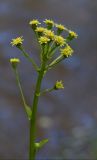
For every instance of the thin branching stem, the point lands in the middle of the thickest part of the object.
(29, 58)
(20, 88)
(46, 91)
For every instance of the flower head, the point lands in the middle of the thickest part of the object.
(59, 40)
(67, 51)
(49, 23)
(33, 23)
(17, 41)
(43, 40)
(40, 29)
(60, 27)
(49, 34)
(72, 34)
(14, 62)
(59, 85)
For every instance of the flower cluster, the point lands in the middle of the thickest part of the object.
(50, 40)
(46, 35)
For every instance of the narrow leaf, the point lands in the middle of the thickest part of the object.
(28, 111)
(43, 142)
(40, 144)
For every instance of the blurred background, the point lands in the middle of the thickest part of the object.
(67, 117)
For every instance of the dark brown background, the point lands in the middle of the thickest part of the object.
(69, 117)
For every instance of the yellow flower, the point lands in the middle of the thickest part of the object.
(34, 22)
(72, 34)
(40, 29)
(17, 41)
(49, 34)
(59, 40)
(59, 85)
(43, 40)
(67, 51)
(14, 62)
(60, 27)
(49, 23)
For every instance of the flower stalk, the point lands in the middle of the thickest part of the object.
(34, 112)
(29, 58)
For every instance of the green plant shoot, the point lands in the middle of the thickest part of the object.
(51, 39)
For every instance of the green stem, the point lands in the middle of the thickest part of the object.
(32, 152)
(47, 90)
(20, 88)
(55, 62)
(29, 58)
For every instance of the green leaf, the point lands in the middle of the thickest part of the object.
(28, 111)
(43, 142)
(40, 144)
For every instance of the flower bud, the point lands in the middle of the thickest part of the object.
(59, 85)
(14, 62)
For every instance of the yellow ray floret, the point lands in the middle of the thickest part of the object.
(34, 22)
(17, 41)
(49, 22)
(59, 85)
(43, 40)
(59, 40)
(73, 34)
(67, 51)
(49, 34)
